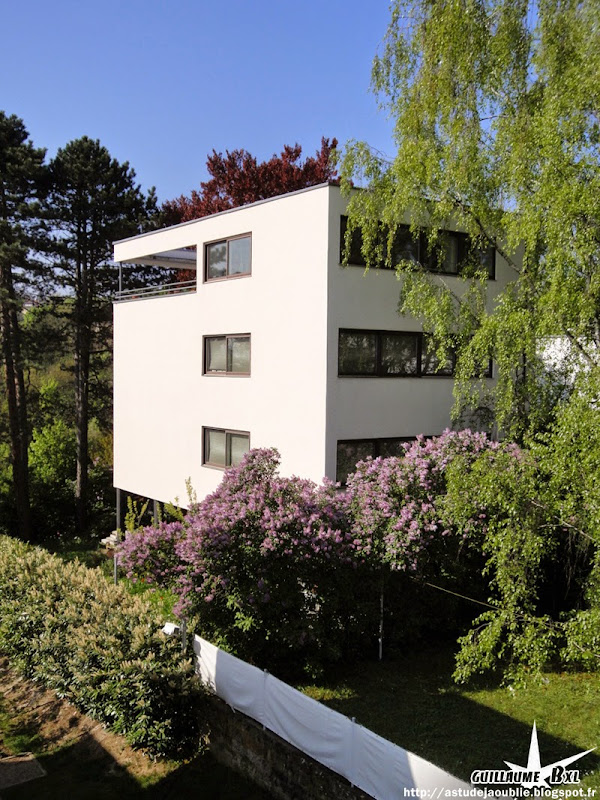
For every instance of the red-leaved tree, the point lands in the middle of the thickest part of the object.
(237, 178)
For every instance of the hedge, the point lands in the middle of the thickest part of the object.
(99, 647)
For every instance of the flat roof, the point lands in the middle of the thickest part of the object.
(221, 213)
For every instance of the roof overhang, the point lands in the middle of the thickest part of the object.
(177, 259)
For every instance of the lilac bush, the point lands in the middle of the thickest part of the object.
(397, 504)
(277, 567)
(149, 554)
(268, 559)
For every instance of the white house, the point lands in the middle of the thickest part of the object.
(275, 345)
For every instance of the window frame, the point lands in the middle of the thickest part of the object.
(228, 432)
(429, 261)
(379, 373)
(225, 373)
(226, 240)
(376, 441)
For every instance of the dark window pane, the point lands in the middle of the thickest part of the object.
(216, 260)
(215, 447)
(238, 354)
(216, 354)
(430, 363)
(446, 254)
(348, 456)
(390, 447)
(238, 445)
(448, 263)
(239, 256)
(357, 353)
(355, 256)
(399, 354)
(487, 257)
(488, 371)
(406, 246)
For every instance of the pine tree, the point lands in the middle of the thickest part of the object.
(22, 175)
(93, 201)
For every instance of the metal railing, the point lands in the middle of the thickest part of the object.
(166, 289)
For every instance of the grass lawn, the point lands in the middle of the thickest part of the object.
(413, 702)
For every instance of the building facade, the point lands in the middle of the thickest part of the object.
(275, 344)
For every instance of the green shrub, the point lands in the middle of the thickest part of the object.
(65, 626)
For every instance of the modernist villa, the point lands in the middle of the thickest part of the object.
(274, 344)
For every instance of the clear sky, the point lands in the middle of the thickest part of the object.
(163, 83)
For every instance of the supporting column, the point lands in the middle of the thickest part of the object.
(156, 515)
(118, 529)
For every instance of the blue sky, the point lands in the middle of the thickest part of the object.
(163, 83)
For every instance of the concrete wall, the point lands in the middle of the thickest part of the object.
(260, 755)
(162, 400)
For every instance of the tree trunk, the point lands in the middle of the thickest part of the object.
(17, 408)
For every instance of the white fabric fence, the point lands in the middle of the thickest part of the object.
(375, 765)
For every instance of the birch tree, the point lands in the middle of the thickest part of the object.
(495, 111)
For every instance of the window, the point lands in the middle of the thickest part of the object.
(388, 354)
(452, 256)
(405, 245)
(455, 255)
(227, 355)
(229, 258)
(224, 448)
(430, 363)
(351, 451)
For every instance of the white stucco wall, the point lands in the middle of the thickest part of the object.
(293, 305)
(162, 400)
(364, 407)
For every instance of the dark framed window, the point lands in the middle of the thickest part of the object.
(454, 253)
(405, 245)
(224, 448)
(389, 354)
(430, 363)
(227, 355)
(351, 451)
(355, 256)
(228, 258)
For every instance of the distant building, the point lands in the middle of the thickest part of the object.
(275, 345)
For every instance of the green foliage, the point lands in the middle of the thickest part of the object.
(52, 454)
(496, 132)
(22, 179)
(135, 514)
(542, 547)
(52, 467)
(94, 644)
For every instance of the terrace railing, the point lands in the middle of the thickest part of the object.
(164, 290)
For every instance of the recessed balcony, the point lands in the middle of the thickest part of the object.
(181, 265)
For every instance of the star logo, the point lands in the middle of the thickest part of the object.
(538, 776)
